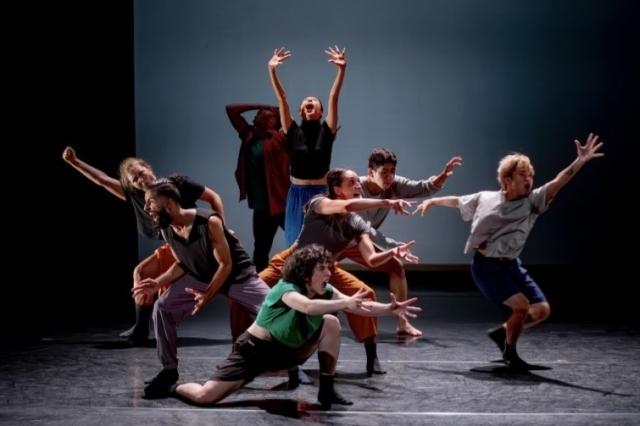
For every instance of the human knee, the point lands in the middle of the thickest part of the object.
(395, 269)
(540, 311)
(521, 309)
(331, 325)
(143, 299)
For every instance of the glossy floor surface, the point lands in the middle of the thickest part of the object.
(85, 375)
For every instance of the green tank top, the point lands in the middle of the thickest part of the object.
(288, 326)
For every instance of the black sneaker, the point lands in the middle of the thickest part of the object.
(374, 368)
(166, 376)
(499, 336)
(517, 364)
(333, 397)
(138, 341)
(127, 333)
(158, 390)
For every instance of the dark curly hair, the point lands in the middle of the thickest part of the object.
(164, 187)
(298, 268)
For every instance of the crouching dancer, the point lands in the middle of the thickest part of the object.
(294, 321)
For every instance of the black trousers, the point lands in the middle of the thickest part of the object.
(265, 227)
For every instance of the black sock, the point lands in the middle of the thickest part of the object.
(371, 349)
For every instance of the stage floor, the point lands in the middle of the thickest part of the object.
(85, 375)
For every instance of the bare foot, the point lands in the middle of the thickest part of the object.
(408, 329)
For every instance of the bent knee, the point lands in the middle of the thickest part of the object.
(331, 323)
(540, 311)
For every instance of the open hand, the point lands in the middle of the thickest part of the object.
(404, 309)
(355, 302)
(279, 56)
(200, 298)
(590, 148)
(402, 251)
(454, 162)
(398, 206)
(336, 56)
(423, 207)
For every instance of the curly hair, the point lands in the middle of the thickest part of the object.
(298, 268)
(510, 164)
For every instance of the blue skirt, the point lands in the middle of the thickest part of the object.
(297, 197)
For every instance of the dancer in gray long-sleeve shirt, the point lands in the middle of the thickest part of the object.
(381, 183)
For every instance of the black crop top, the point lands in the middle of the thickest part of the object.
(309, 146)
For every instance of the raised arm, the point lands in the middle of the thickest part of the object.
(448, 171)
(586, 152)
(94, 175)
(235, 111)
(212, 197)
(280, 55)
(336, 56)
(449, 201)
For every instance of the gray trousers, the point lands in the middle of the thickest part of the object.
(176, 304)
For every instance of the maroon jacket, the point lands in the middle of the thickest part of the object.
(276, 165)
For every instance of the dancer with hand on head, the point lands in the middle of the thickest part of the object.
(501, 221)
(294, 321)
(134, 175)
(262, 175)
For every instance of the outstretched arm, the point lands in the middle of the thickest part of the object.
(280, 55)
(235, 111)
(448, 171)
(374, 258)
(336, 57)
(331, 206)
(449, 201)
(302, 303)
(94, 175)
(586, 152)
(370, 308)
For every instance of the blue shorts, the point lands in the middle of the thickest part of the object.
(297, 197)
(500, 279)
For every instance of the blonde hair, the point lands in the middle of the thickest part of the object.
(125, 167)
(512, 163)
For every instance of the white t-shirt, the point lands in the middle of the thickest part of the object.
(502, 225)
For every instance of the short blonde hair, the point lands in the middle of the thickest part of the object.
(125, 167)
(512, 163)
